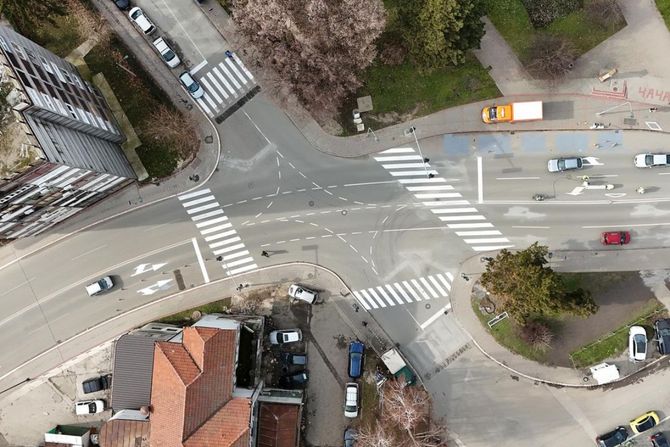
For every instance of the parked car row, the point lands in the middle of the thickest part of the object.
(638, 425)
(355, 371)
(646, 160)
(637, 340)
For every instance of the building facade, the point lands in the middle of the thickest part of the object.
(60, 146)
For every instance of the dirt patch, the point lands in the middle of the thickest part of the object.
(623, 297)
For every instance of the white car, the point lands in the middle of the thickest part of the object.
(141, 21)
(285, 336)
(89, 407)
(191, 85)
(651, 160)
(351, 400)
(564, 164)
(101, 285)
(302, 293)
(637, 344)
(169, 57)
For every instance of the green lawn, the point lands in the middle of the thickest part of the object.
(664, 8)
(507, 335)
(511, 20)
(595, 282)
(139, 96)
(613, 344)
(61, 37)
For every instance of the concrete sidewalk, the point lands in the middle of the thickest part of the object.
(656, 272)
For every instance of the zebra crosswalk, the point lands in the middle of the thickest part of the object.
(205, 211)
(405, 292)
(416, 175)
(224, 84)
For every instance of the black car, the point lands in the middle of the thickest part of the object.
(613, 438)
(659, 440)
(662, 329)
(123, 5)
(97, 384)
(350, 436)
(295, 380)
(290, 359)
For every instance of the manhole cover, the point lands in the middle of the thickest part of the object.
(427, 306)
(311, 203)
(209, 139)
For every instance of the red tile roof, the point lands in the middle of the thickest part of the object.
(191, 388)
(124, 433)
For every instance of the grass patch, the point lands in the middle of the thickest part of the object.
(612, 344)
(61, 37)
(512, 22)
(139, 96)
(506, 334)
(183, 318)
(664, 8)
(596, 282)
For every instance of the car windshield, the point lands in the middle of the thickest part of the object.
(561, 164)
(168, 55)
(193, 87)
(640, 344)
(136, 14)
(646, 424)
(649, 160)
(350, 407)
(492, 113)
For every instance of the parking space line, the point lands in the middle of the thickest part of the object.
(195, 69)
(437, 315)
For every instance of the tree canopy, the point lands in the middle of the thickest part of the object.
(527, 288)
(24, 14)
(440, 32)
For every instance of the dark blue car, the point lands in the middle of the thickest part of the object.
(356, 349)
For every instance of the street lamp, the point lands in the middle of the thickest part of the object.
(412, 129)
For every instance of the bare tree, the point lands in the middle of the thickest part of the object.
(377, 436)
(89, 22)
(405, 406)
(605, 13)
(550, 56)
(317, 47)
(172, 128)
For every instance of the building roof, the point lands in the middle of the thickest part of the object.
(191, 391)
(124, 433)
(133, 364)
(278, 425)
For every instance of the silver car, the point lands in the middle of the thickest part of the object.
(191, 85)
(564, 164)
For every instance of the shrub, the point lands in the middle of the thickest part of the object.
(550, 57)
(543, 12)
(605, 13)
(536, 334)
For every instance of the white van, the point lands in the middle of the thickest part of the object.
(101, 285)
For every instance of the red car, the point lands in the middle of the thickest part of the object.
(615, 237)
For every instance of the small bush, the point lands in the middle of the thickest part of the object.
(550, 57)
(605, 13)
(543, 12)
(537, 335)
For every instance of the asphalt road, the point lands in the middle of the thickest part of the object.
(396, 236)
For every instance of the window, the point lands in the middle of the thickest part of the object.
(46, 64)
(4, 44)
(72, 111)
(19, 50)
(48, 102)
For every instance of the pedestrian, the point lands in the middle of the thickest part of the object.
(229, 54)
(219, 258)
(365, 324)
(431, 175)
(426, 159)
(265, 253)
(653, 109)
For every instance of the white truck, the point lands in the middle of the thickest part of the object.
(514, 112)
(397, 366)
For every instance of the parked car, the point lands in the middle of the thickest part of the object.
(637, 344)
(564, 164)
(285, 336)
(645, 422)
(350, 436)
(140, 20)
(651, 160)
(659, 440)
(169, 57)
(123, 5)
(662, 335)
(302, 293)
(356, 352)
(191, 85)
(613, 438)
(295, 380)
(615, 237)
(102, 285)
(97, 384)
(89, 407)
(351, 400)
(291, 359)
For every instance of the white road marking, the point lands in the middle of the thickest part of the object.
(220, 235)
(454, 210)
(158, 285)
(201, 262)
(491, 247)
(530, 227)
(398, 158)
(471, 225)
(408, 173)
(517, 178)
(226, 241)
(392, 292)
(179, 23)
(486, 240)
(197, 68)
(197, 201)
(437, 195)
(142, 268)
(239, 254)
(211, 222)
(461, 218)
(430, 188)
(402, 292)
(437, 315)
(364, 302)
(411, 291)
(479, 233)
(398, 150)
(405, 165)
(228, 249)
(242, 269)
(209, 206)
(194, 194)
(89, 252)
(18, 286)
(422, 180)
(428, 287)
(216, 228)
(240, 262)
(218, 74)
